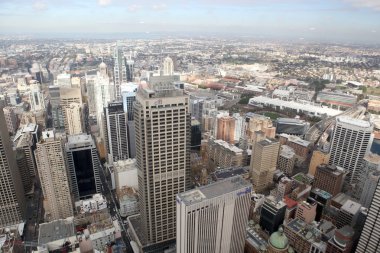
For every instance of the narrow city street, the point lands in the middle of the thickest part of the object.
(114, 208)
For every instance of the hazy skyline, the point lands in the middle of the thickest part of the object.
(326, 20)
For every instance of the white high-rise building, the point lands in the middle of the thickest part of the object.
(53, 176)
(74, 114)
(239, 120)
(36, 98)
(168, 67)
(369, 237)
(352, 138)
(162, 120)
(64, 80)
(213, 218)
(120, 70)
(104, 93)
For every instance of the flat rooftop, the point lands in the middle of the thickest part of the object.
(56, 230)
(79, 138)
(230, 172)
(353, 121)
(215, 190)
(351, 207)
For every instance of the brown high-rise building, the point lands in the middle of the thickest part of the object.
(162, 121)
(319, 157)
(226, 129)
(12, 200)
(53, 175)
(329, 178)
(67, 97)
(263, 163)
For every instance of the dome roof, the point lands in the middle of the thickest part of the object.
(278, 239)
(102, 65)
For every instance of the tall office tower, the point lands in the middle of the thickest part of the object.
(350, 141)
(53, 175)
(55, 107)
(63, 80)
(36, 98)
(256, 123)
(130, 66)
(67, 97)
(263, 163)
(348, 214)
(83, 166)
(36, 72)
(10, 119)
(272, 214)
(286, 160)
(129, 96)
(128, 93)
(168, 69)
(370, 165)
(104, 93)
(74, 115)
(12, 200)
(119, 70)
(319, 157)
(329, 178)
(226, 129)
(116, 133)
(369, 238)
(369, 188)
(25, 141)
(239, 120)
(213, 218)
(22, 165)
(162, 122)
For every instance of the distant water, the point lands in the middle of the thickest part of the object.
(375, 148)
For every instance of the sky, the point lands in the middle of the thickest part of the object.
(319, 20)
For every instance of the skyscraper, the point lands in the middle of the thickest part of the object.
(67, 97)
(162, 121)
(53, 175)
(350, 141)
(116, 134)
(83, 166)
(36, 98)
(11, 119)
(263, 163)
(213, 218)
(168, 67)
(12, 200)
(226, 129)
(74, 115)
(130, 66)
(369, 238)
(129, 96)
(119, 70)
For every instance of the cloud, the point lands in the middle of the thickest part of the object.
(104, 2)
(371, 4)
(134, 7)
(40, 5)
(311, 28)
(142, 22)
(159, 7)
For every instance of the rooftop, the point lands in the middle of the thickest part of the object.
(230, 172)
(56, 230)
(228, 146)
(351, 207)
(79, 139)
(353, 121)
(215, 190)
